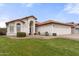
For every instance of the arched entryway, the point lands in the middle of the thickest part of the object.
(31, 28)
(18, 27)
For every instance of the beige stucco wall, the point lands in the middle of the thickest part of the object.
(54, 28)
(8, 32)
(15, 31)
(45, 28)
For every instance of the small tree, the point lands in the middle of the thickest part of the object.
(35, 33)
(46, 34)
(38, 33)
(54, 34)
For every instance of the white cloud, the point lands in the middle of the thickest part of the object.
(28, 4)
(72, 8)
(3, 20)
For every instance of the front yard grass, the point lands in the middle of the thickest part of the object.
(38, 47)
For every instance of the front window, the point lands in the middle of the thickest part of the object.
(18, 27)
(11, 28)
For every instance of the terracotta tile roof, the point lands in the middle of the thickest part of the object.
(38, 23)
(73, 24)
(50, 22)
(21, 19)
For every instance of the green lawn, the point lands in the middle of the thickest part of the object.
(38, 47)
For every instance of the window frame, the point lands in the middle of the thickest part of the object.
(11, 28)
(18, 27)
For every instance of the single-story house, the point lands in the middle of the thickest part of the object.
(30, 25)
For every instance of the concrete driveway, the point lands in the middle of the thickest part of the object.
(72, 36)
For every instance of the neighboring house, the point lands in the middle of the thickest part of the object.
(75, 28)
(29, 25)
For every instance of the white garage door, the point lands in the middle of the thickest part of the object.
(77, 30)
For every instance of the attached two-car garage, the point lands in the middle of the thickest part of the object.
(61, 29)
(76, 30)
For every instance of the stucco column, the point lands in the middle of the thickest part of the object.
(33, 27)
(15, 29)
(7, 29)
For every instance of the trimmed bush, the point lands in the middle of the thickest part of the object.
(21, 34)
(35, 33)
(46, 34)
(29, 33)
(54, 34)
(38, 33)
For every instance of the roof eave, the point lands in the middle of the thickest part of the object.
(14, 21)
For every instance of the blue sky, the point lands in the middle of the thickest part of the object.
(63, 12)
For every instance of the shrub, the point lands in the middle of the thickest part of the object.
(29, 33)
(21, 34)
(38, 33)
(35, 33)
(46, 34)
(3, 31)
(54, 34)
